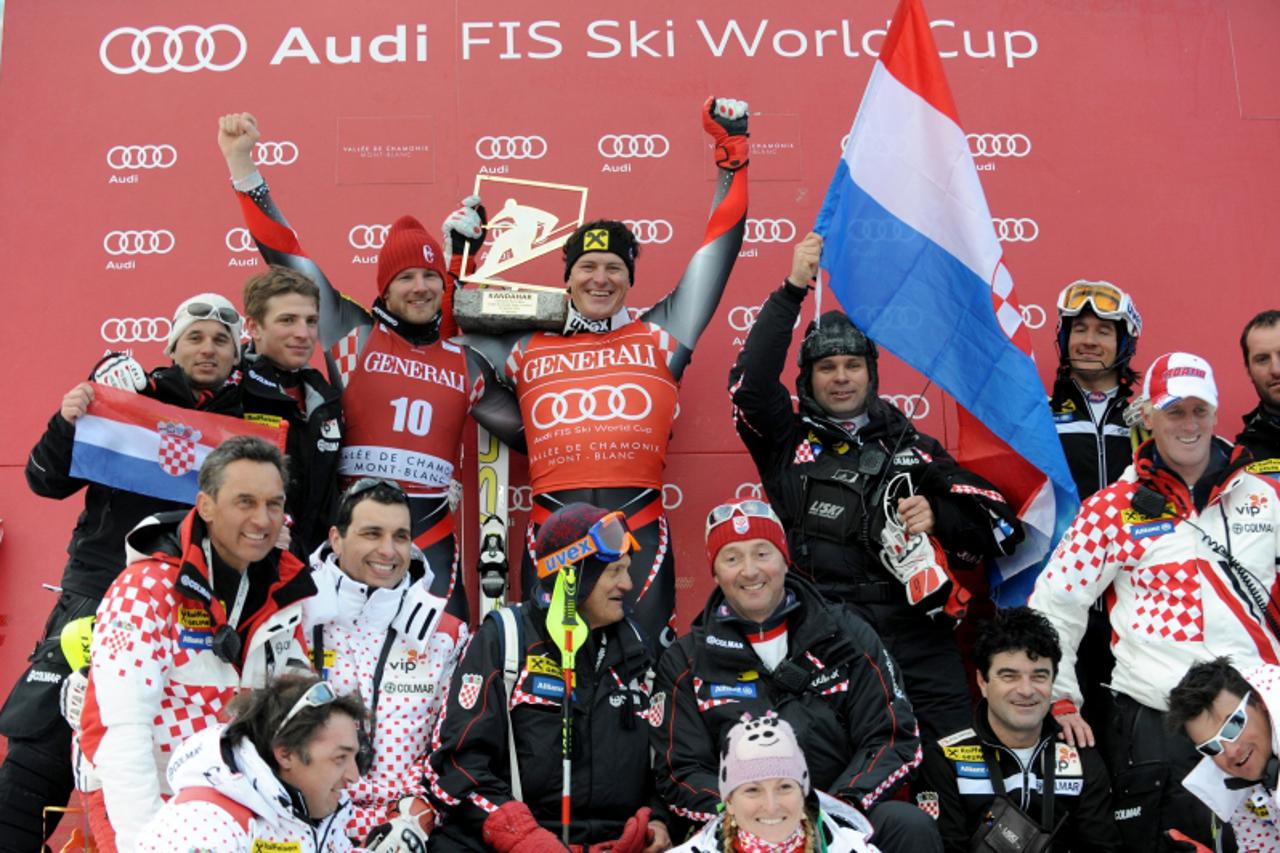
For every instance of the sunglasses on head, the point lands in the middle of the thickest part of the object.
(209, 311)
(608, 539)
(751, 509)
(368, 484)
(1229, 732)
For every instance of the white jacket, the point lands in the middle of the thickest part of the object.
(843, 827)
(1173, 601)
(426, 642)
(1254, 813)
(209, 826)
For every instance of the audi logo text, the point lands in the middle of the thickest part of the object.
(748, 492)
(914, 406)
(1016, 230)
(367, 236)
(187, 48)
(999, 144)
(511, 148)
(769, 231)
(1033, 315)
(625, 402)
(141, 156)
(275, 153)
(650, 230)
(138, 242)
(131, 330)
(633, 145)
(239, 240)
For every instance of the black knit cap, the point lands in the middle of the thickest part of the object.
(602, 235)
(566, 526)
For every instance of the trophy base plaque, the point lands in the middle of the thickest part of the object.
(497, 310)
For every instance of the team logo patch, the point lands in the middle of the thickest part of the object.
(1130, 515)
(469, 691)
(656, 705)
(734, 691)
(1069, 761)
(428, 255)
(177, 447)
(547, 688)
(1257, 806)
(330, 429)
(272, 421)
(195, 617)
(963, 752)
(749, 675)
(262, 845)
(596, 240)
(1151, 528)
(740, 524)
(928, 803)
(542, 665)
(1264, 466)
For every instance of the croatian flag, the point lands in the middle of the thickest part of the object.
(914, 260)
(135, 443)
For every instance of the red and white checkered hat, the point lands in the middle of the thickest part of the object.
(1177, 375)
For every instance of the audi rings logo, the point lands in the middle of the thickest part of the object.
(239, 240)
(770, 231)
(367, 236)
(188, 48)
(138, 242)
(999, 144)
(748, 492)
(1033, 315)
(141, 156)
(650, 230)
(914, 406)
(511, 148)
(625, 402)
(1016, 230)
(275, 153)
(672, 496)
(134, 330)
(519, 498)
(633, 145)
(743, 317)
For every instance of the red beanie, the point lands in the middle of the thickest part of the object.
(408, 245)
(740, 527)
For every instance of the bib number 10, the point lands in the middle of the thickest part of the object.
(413, 416)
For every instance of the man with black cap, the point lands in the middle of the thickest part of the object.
(496, 773)
(1260, 345)
(599, 398)
(204, 343)
(407, 389)
(877, 515)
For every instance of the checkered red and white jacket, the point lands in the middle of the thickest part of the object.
(1173, 600)
(155, 680)
(356, 622)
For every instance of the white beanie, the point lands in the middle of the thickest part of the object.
(207, 306)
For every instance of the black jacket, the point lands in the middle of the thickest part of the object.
(837, 687)
(809, 466)
(96, 551)
(1097, 453)
(612, 775)
(955, 786)
(1261, 434)
(313, 445)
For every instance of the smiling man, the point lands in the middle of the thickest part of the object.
(282, 316)
(206, 606)
(768, 640)
(377, 631)
(1184, 548)
(1227, 715)
(275, 779)
(496, 773)
(877, 514)
(1013, 739)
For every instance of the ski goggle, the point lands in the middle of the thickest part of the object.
(316, 696)
(209, 311)
(368, 484)
(1231, 729)
(750, 509)
(608, 539)
(1104, 299)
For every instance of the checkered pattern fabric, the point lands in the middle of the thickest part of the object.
(177, 455)
(346, 354)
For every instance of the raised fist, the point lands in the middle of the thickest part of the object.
(463, 227)
(237, 136)
(726, 120)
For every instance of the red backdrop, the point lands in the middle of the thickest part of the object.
(1131, 140)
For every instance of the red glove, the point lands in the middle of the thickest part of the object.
(635, 837)
(1182, 842)
(512, 829)
(409, 823)
(726, 120)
